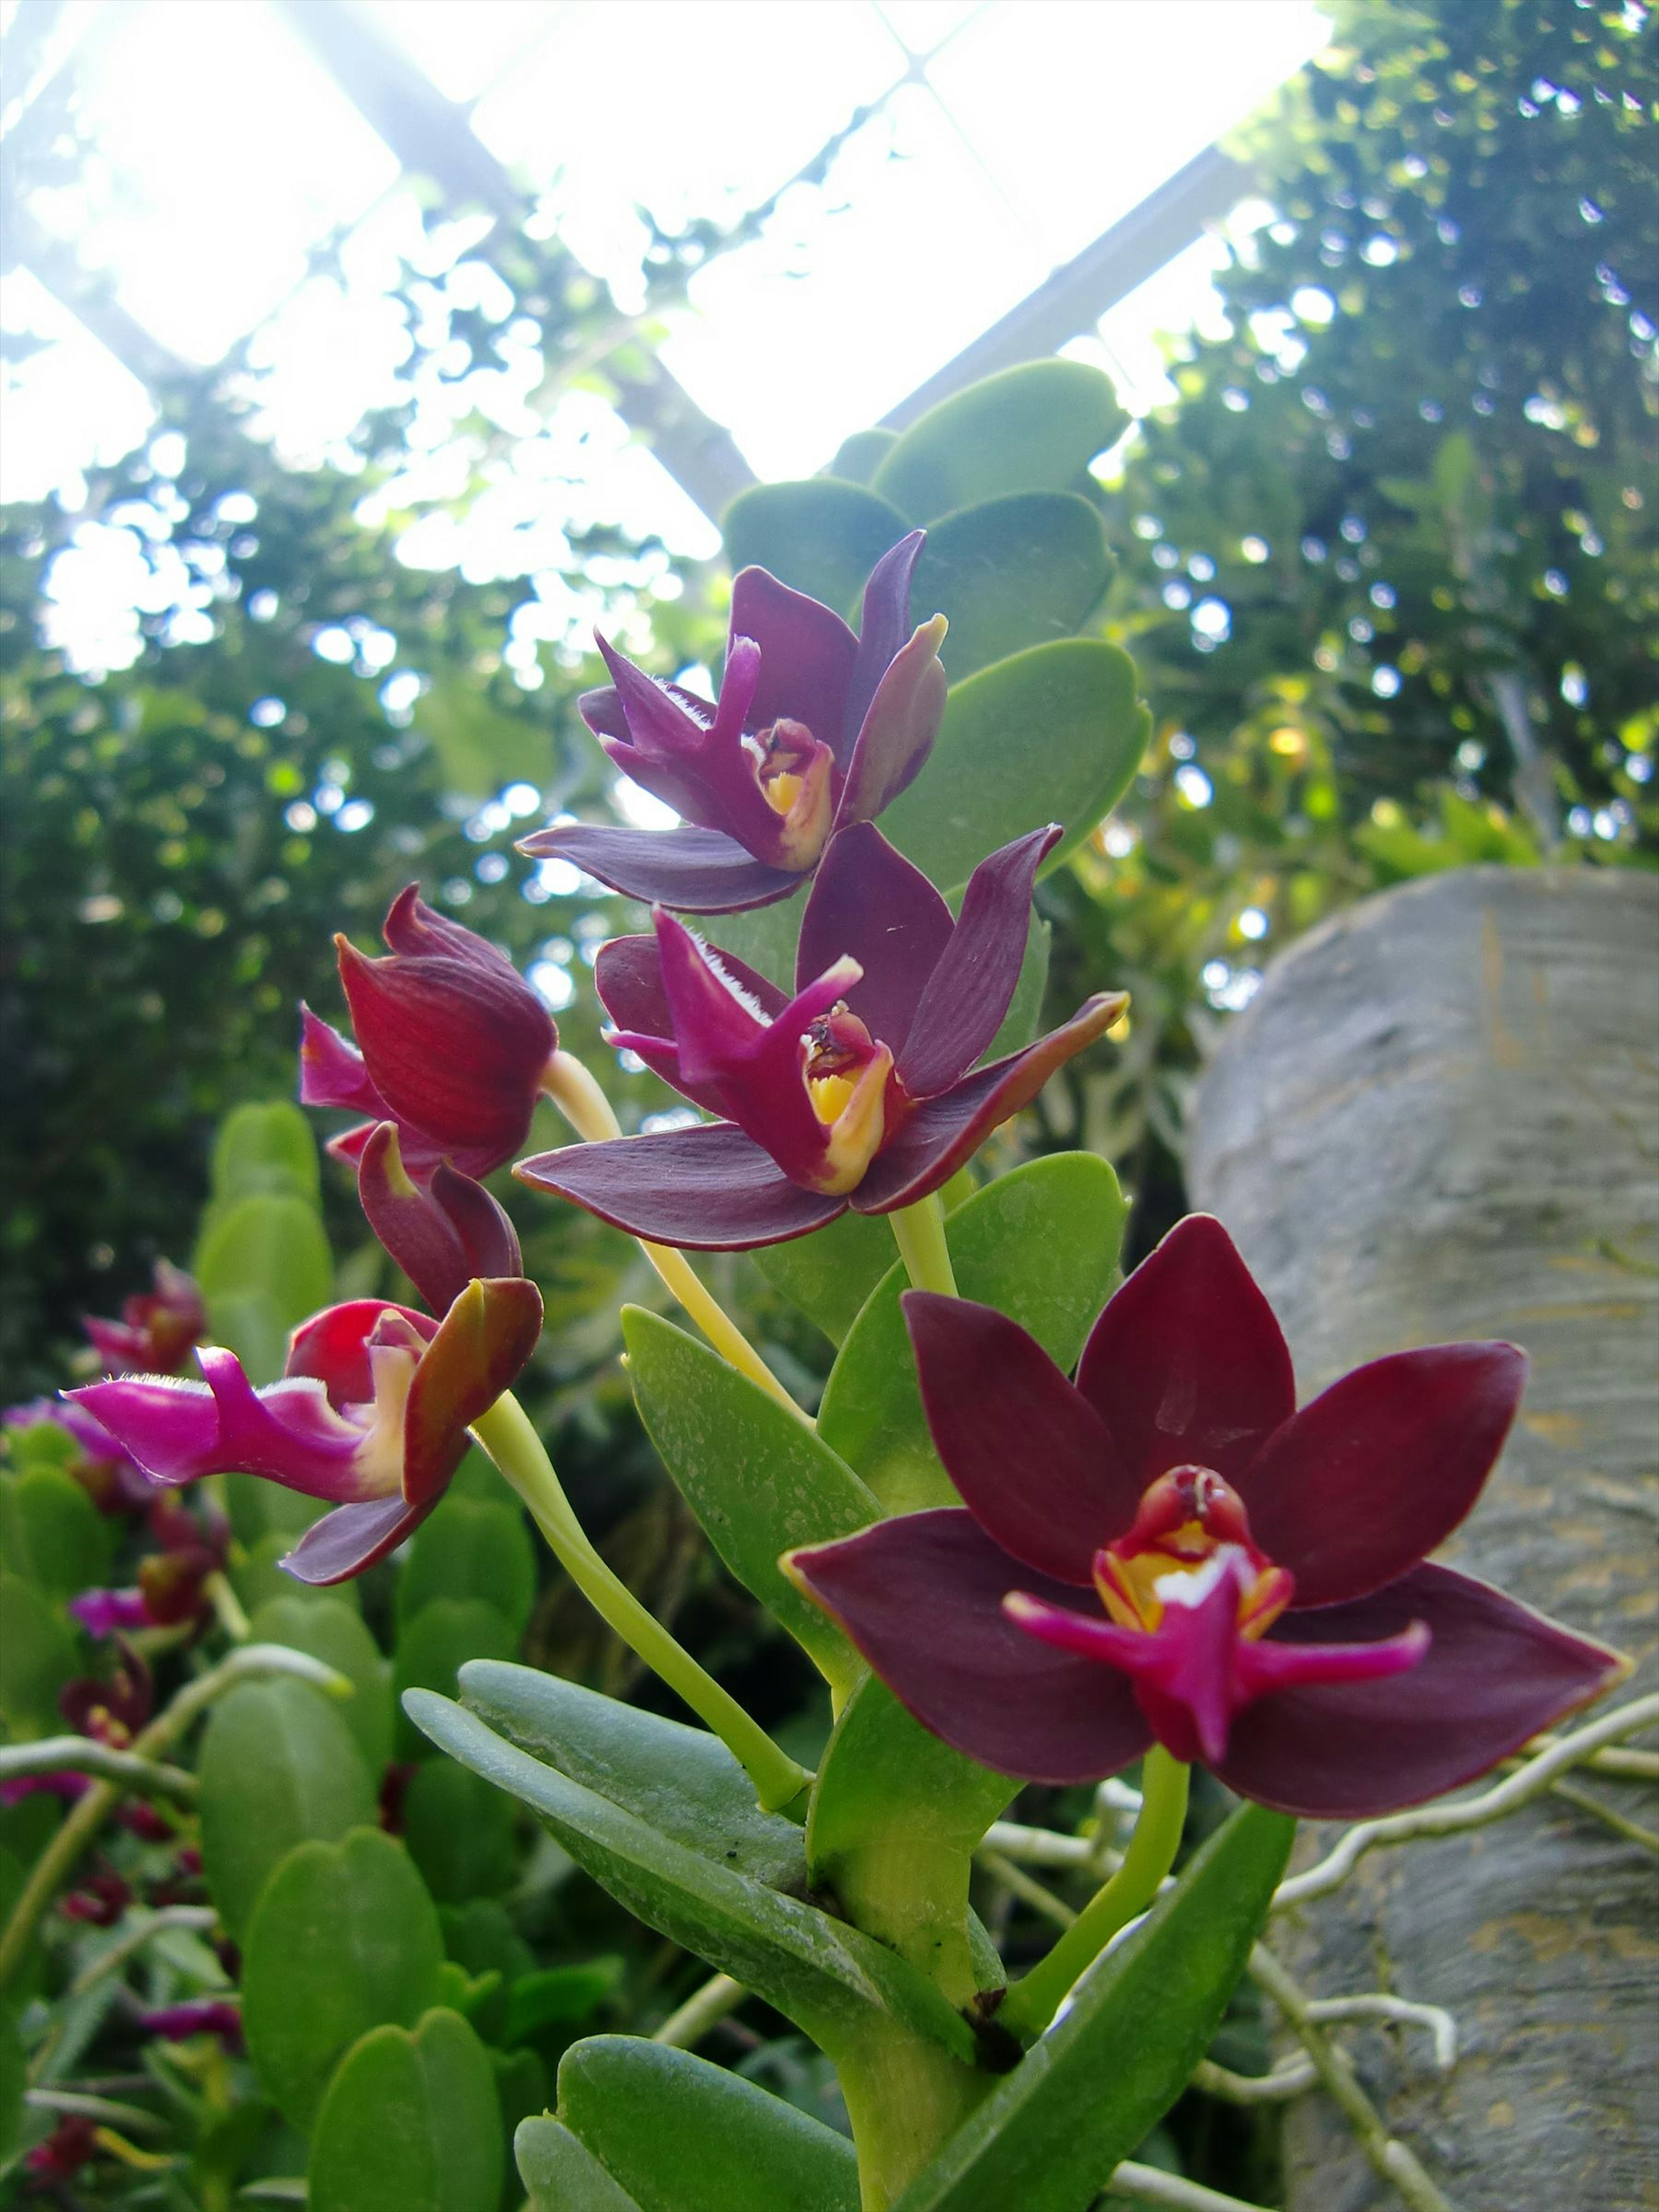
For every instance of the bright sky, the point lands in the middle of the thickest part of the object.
(1005, 135)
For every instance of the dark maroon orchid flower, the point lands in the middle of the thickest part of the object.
(172, 1580)
(177, 2023)
(100, 1901)
(1170, 1551)
(372, 1414)
(855, 1091)
(814, 729)
(452, 1040)
(443, 1232)
(72, 2144)
(156, 1331)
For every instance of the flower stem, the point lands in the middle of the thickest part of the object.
(919, 1232)
(1032, 2002)
(506, 1433)
(572, 1088)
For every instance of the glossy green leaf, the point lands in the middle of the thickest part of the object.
(896, 1817)
(344, 1939)
(682, 1781)
(561, 2175)
(831, 1979)
(683, 2136)
(51, 1533)
(434, 1647)
(1035, 427)
(1052, 734)
(831, 1274)
(858, 458)
(560, 1996)
(279, 1766)
(262, 1150)
(331, 1630)
(479, 1937)
(1049, 2135)
(410, 2123)
(822, 536)
(263, 1265)
(1040, 1244)
(471, 1548)
(37, 1657)
(459, 1832)
(759, 1481)
(1010, 573)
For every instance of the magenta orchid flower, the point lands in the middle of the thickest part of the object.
(172, 1580)
(856, 1091)
(1168, 1551)
(814, 729)
(98, 1464)
(453, 1043)
(371, 1414)
(157, 1331)
(443, 1232)
(177, 2023)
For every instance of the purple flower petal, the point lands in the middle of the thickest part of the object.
(443, 1236)
(352, 1538)
(628, 976)
(1363, 1483)
(870, 903)
(332, 1071)
(899, 731)
(969, 991)
(708, 1189)
(921, 1598)
(694, 871)
(333, 1347)
(806, 658)
(102, 1612)
(479, 1351)
(1496, 1674)
(1031, 1457)
(941, 1133)
(883, 626)
(1187, 1365)
(413, 928)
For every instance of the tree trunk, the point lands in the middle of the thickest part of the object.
(1440, 1119)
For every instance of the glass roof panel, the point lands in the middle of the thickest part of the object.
(463, 46)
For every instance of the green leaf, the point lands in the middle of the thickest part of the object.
(1052, 734)
(1024, 1016)
(331, 1630)
(682, 1781)
(258, 1577)
(683, 2136)
(765, 937)
(831, 1274)
(263, 1266)
(480, 1936)
(1040, 1244)
(434, 1647)
(1012, 573)
(14, 2080)
(896, 1817)
(37, 1657)
(858, 458)
(1035, 427)
(410, 2123)
(1049, 2135)
(563, 2177)
(52, 1534)
(459, 1833)
(471, 1548)
(479, 747)
(759, 1481)
(822, 537)
(344, 1938)
(266, 1150)
(279, 1766)
(831, 1979)
(560, 1996)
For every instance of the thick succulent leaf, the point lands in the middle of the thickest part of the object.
(459, 1832)
(1035, 427)
(410, 2123)
(472, 1547)
(561, 2176)
(828, 1978)
(1048, 2135)
(1051, 734)
(261, 1150)
(682, 1781)
(823, 537)
(680, 2135)
(344, 1939)
(1010, 573)
(433, 1647)
(331, 1629)
(831, 1274)
(896, 1816)
(51, 1533)
(263, 1266)
(1041, 1245)
(37, 1657)
(279, 1766)
(759, 1481)
(858, 458)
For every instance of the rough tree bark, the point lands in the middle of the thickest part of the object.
(1440, 1119)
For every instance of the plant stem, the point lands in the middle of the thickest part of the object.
(80, 1754)
(506, 1433)
(574, 1090)
(703, 2009)
(919, 1232)
(1032, 2002)
(905, 2098)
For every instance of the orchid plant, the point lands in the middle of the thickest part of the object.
(1049, 1525)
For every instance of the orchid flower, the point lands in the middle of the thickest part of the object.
(814, 729)
(857, 1090)
(371, 1414)
(1167, 1551)
(453, 1043)
(156, 1331)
